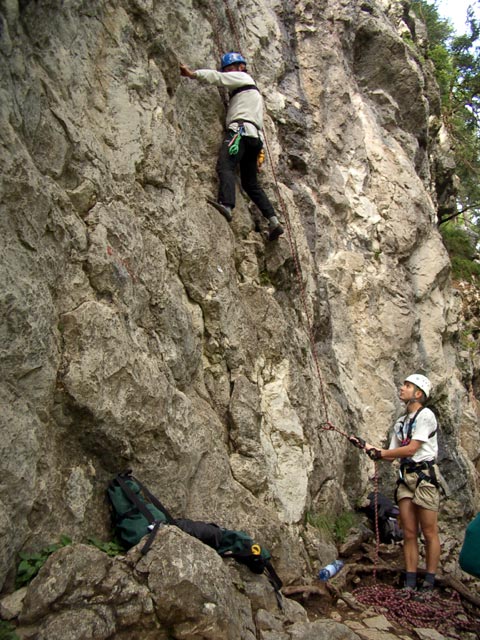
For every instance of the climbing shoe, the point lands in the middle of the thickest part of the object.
(275, 231)
(225, 210)
(407, 593)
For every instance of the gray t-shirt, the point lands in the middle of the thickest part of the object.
(425, 424)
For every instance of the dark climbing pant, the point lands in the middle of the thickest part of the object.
(246, 158)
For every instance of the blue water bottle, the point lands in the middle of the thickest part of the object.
(330, 570)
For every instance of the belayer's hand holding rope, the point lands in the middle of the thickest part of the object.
(371, 451)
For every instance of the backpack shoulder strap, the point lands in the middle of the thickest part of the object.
(154, 500)
(134, 499)
(275, 581)
(154, 525)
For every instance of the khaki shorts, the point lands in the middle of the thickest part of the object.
(426, 495)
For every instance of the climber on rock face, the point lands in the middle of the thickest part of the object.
(243, 141)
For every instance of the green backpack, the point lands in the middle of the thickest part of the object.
(136, 512)
(469, 559)
(240, 546)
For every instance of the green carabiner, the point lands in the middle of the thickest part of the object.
(234, 144)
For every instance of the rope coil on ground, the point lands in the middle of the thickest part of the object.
(400, 607)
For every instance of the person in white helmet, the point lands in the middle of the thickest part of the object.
(414, 443)
(243, 142)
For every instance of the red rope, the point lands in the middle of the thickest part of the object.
(400, 606)
(216, 31)
(298, 271)
(233, 28)
(293, 248)
(326, 425)
(377, 530)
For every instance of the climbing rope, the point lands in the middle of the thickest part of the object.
(437, 612)
(377, 530)
(299, 275)
(326, 425)
(290, 237)
(401, 607)
(216, 29)
(233, 28)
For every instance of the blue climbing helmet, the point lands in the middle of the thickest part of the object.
(231, 58)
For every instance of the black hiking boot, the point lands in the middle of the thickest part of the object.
(275, 232)
(225, 210)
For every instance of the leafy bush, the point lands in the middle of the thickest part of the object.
(458, 241)
(465, 269)
(456, 59)
(111, 548)
(345, 521)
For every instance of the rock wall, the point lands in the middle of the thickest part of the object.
(141, 330)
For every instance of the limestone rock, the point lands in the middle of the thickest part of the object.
(181, 588)
(11, 605)
(321, 630)
(191, 589)
(141, 330)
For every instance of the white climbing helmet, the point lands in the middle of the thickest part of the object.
(422, 382)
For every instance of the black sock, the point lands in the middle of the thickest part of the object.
(429, 580)
(411, 579)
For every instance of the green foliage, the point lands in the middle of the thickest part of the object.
(335, 529)
(467, 341)
(111, 548)
(460, 245)
(465, 270)
(345, 521)
(456, 59)
(31, 563)
(321, 522)
(407, 38)
(7, 631)
(265, 279)
(438, 29)
(458, 241)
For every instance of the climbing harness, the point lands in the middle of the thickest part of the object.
(407, 435)
(246, 87)
(419, 468)
(424, 470)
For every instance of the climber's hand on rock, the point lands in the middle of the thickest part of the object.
(186, 72)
